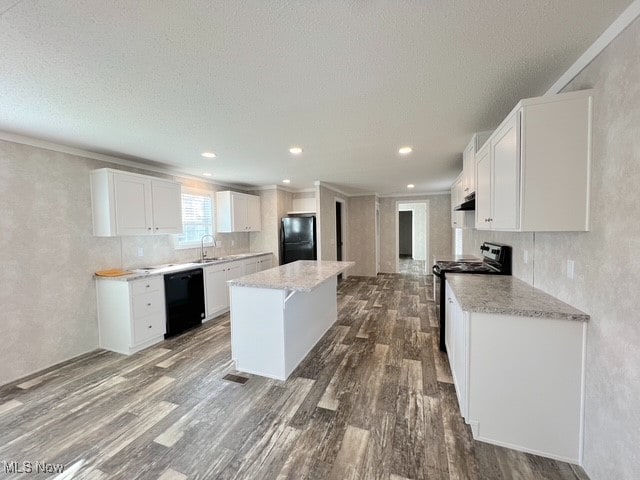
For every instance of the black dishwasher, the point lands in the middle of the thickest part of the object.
(184, 296)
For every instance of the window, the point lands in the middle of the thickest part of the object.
(197, 218)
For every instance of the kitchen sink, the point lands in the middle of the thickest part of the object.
(209, 259)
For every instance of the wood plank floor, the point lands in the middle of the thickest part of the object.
(373, 400)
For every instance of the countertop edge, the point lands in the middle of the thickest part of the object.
(468, 306)
(239, 282)
(184, 266)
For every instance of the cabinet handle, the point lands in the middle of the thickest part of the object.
(148, 286)
(148, 304)
(157, 228)
(150, 326)
(149, 228)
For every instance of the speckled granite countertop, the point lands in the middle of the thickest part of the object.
(504, 294)
(301, 276)
(177, 267)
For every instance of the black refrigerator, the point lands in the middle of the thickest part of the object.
(298, 238)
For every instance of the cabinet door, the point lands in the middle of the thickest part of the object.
(253, 213)
(167, 207)
(505, 185)
(468, 168)
(251, 266)
(132, 201)
(483, 189)
(239, 212)
(216, 297)
(234, 270)
(459, 340)
(266, 263)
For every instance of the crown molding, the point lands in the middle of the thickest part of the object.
(79, 152)
(280, 187)
(619, 24)
(411, 195)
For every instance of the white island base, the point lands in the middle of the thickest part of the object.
(273, 329)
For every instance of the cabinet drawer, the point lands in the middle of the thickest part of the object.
(147, 327)
(147, 304)
(147, 285)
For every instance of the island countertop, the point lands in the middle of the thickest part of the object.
(301, 276)
(506, 295)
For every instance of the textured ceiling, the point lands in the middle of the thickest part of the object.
(349, 81)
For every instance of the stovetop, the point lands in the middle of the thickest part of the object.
(496, 259)
(466, 267)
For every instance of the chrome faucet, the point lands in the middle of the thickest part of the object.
(203, 254)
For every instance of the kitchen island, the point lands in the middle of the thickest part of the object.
(278, 315)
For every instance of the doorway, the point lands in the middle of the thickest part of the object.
(339, 242)
(412, 237)
(405, 234)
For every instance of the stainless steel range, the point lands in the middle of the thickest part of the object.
(496, 260)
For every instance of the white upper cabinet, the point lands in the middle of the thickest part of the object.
(534, 173)
(469, 162)
(237, 212)
(468, 169)
(483, 189)
(130, 204)
(253, 213)
(166, 202)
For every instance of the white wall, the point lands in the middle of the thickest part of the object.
(362, 235)
(607, 262)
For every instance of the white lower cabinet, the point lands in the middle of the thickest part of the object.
(215, 285)
(216, 277)
(131, 315)
(250, 266)
(456, 324)
(265, 262)
(519, 380)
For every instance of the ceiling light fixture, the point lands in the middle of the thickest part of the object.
(208, 154)
(411, 185)
(206, 174)
(295, 150)
(286, 180)
(405, 150)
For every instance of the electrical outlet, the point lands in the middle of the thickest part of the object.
(526, 256)
(140, 252)
(570, 269)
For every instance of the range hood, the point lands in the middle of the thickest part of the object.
(468, 204)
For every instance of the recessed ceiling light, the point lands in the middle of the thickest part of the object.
(405, 150)
(208, 154)
(295, 150)
(411, 185)
(206, 174)
(286, 180)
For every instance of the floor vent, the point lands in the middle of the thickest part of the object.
(235, 378)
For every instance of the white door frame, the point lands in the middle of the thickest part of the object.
(397, 231)
(377, 227)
